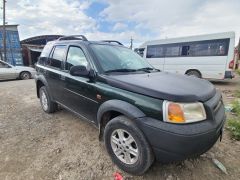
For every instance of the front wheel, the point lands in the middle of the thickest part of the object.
(127, 146)
(25, 75)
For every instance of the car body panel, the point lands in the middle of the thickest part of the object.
(140, 97)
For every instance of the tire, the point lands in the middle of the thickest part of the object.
(139, 151)
(194, 73)
(47, 105)
(25, 75)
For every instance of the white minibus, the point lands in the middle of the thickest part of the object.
(205, 56)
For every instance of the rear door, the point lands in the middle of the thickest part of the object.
(79, 92)
(54, 71)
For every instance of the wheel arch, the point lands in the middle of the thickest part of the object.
(41, 81)
(189, 70)
(113, 108)
(26, 72)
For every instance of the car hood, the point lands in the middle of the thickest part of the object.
(166, 86)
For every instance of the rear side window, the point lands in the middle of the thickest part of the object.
(57, 57)
(75, 57)
(210, 48)
(43, 59)
(46, 50)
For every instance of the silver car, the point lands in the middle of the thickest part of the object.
(8, 71)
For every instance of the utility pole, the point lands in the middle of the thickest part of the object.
(4, 32)
(131, 43)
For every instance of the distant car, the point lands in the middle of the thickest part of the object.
(8, 71)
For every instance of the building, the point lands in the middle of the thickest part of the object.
(13, 47)
(32, 47)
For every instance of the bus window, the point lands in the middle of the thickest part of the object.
(209, 48)
(155, 51)
(185, 50)
(172, 51)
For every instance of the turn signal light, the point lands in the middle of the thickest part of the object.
(175, 113)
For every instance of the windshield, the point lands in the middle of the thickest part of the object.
(119, 59)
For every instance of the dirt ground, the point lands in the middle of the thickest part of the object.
(36, 145)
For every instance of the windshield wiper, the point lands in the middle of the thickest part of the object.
(147, 69)
(120, 70)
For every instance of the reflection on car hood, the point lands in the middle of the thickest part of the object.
(166, 86)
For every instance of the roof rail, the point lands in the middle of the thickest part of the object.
(73, 37)
(113, 41)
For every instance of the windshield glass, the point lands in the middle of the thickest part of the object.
(114, 58)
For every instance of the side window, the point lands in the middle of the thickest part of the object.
(155, 51)
(46, 50)
(210, 48)
(57, 57)
(75, 57)
(43, 59)
(172, 51)
(185, 50)
(2, 65)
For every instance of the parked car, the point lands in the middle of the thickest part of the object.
(142, 114)
(8, 71)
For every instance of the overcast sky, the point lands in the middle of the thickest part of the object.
(121, 19)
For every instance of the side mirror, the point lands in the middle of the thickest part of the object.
(81, 71)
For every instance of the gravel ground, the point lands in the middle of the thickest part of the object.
(36, 145)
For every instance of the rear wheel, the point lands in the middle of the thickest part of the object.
(127, 146)
(47, 105)
(194, 73)
(25, 75)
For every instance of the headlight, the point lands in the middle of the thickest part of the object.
(174, 112)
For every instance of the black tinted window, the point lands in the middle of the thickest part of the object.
(57, 56)
(172, 51)
(217, 47)
(209, 48)
(155, 51)
(75, 57)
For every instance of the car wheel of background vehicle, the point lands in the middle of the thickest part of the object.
(194, 74)
(47, 105)
(25, 75)
(127, 146)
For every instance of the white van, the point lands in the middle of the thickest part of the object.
(205, 56)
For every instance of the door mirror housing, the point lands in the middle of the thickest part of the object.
(81, 71)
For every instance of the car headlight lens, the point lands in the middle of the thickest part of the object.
(174, 112)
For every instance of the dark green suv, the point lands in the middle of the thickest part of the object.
(142, 114)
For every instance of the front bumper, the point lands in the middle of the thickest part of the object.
(175, 142)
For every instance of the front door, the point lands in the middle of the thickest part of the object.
(80, 94)
(7, 72)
